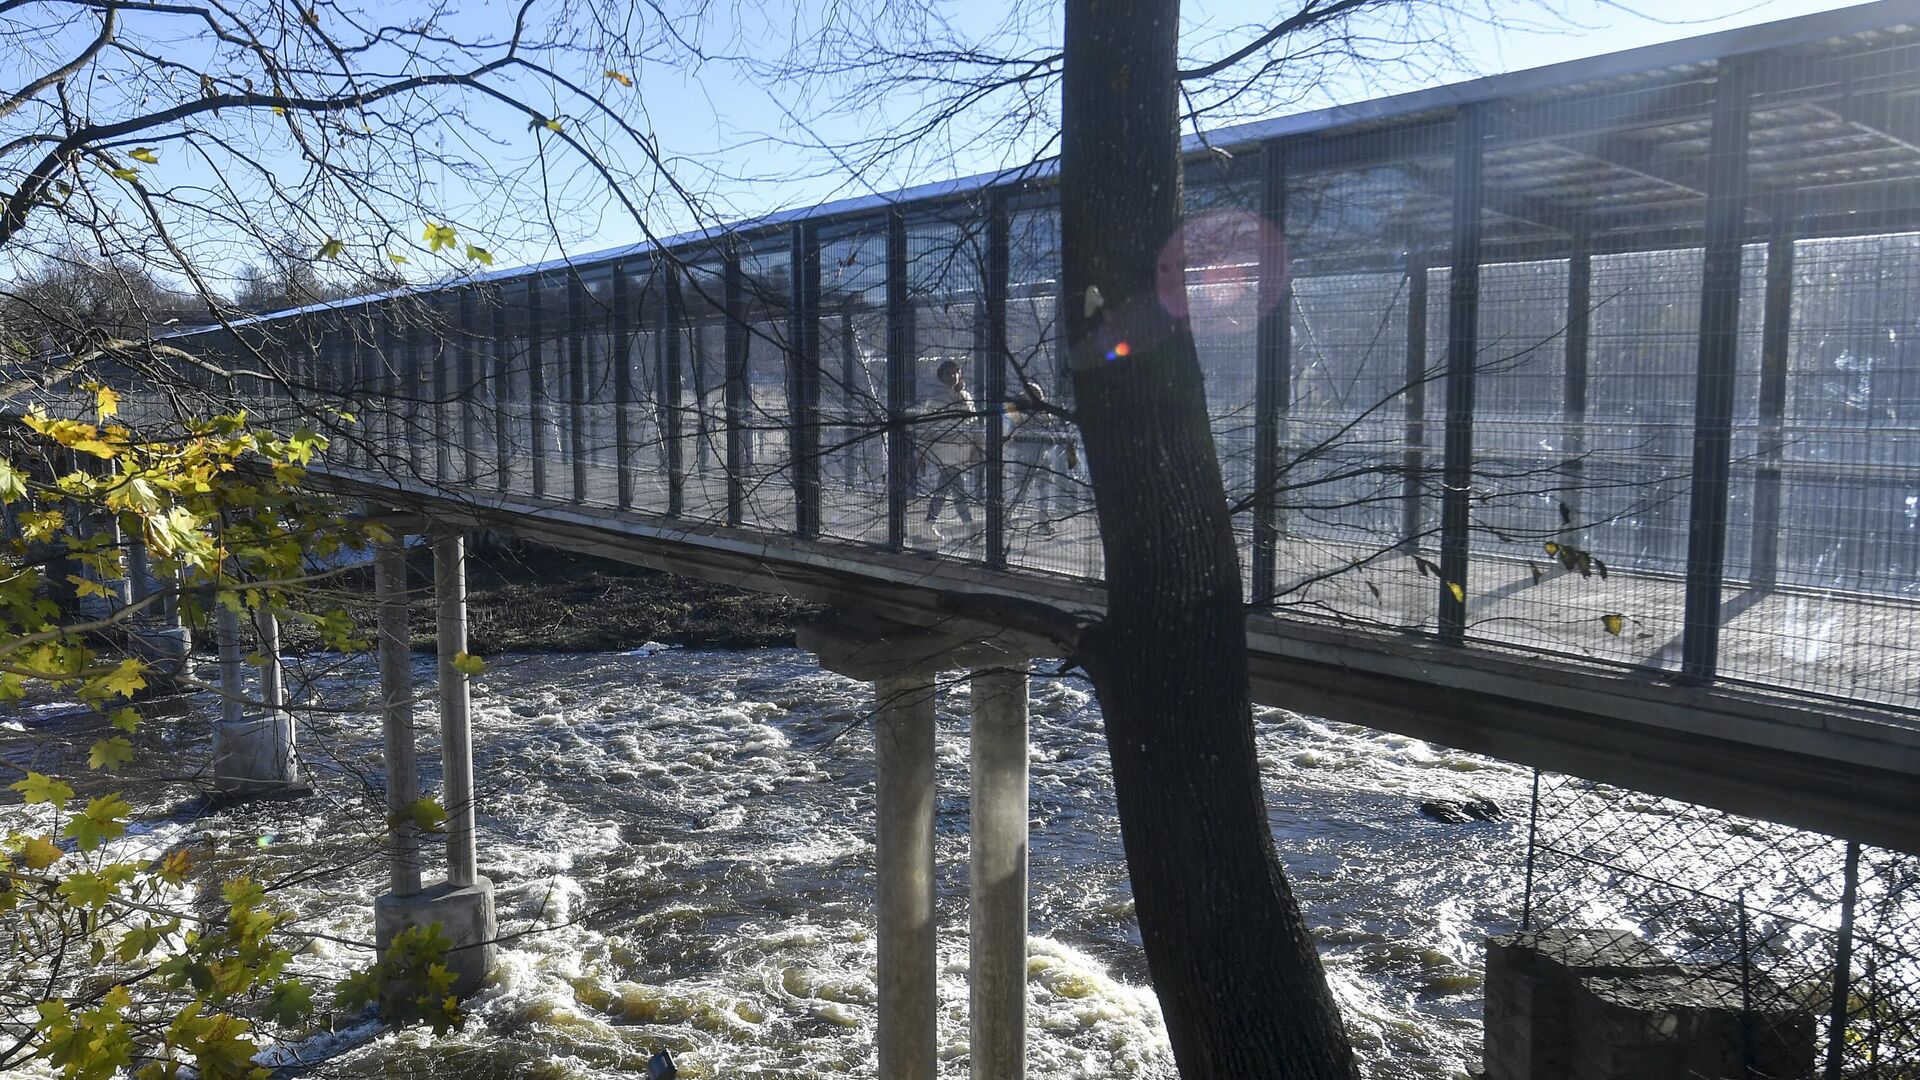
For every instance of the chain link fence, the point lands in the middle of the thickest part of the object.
(1772, 952)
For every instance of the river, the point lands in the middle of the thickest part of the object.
(682, 842)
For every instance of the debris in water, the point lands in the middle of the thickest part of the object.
(660, 1066)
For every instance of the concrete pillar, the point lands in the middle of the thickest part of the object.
(463, 905)
(903, 780)
(456, 732)
(252, 745)
(396, 717)
(997, 876)
(156, 636)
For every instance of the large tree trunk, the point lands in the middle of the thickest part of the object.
(1237, 974)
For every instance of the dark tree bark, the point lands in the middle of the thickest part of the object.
(1237, 974)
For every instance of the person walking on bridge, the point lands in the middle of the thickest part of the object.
(951, 447)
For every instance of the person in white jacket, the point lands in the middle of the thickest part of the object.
(951, 446)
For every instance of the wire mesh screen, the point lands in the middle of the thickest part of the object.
(1050, 522)
(946, 263)
(853, 383)
(1742, 949)
(1621, 369)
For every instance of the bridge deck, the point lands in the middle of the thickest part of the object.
(1607, 709)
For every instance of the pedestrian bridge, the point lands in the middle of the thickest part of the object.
(1570, 416)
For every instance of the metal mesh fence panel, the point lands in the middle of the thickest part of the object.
(1763, 951)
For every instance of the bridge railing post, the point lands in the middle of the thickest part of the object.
(577, 434)
(621, 357)
(803, 378)
(1574, 384)
(993, 370)
(672, 408)
(537, 401)
(902, 369)
(468, 397)
(1273, 376)
(456, 729)
(1413, 459)
(739, 415)
(1463, 326)
(1718, 364)
(1775, 348)
(500, 371)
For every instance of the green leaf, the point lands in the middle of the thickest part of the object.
(126, 679)
(331, 249)
(37, 789)
(110, 753)
(427, 814)
(468, 664)
(480, 255)
(125, 719)
(290, 1003)
(146, 154)
(438, 236)
(104, 819)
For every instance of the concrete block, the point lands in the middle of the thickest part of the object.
(254, 757)
(466, 915)
(1531, 978)
(164, 649)
(1688, 1023)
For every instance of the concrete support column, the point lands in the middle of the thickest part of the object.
(396, 717)
(997, 875)
(903, 780)
(156, 635)
(252, 746)
(463, 905)
(456, 732)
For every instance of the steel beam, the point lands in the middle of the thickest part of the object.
(1715, 377)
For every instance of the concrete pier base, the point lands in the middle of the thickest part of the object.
(465, 914)
(908, 976)
(252, 746)
(164, 649)
(997, 876)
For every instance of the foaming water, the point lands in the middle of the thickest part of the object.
(682, 845)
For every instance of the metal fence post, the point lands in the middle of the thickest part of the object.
(671, 407)
(1273, 372)
(536, 390)
(901, 371)
(1775, 344)
(469, 395)
(621, 357)
(1463, 307)
(1574, 382)
(577, 380)
(734, 342)
(993, 384)
(1719, 357)
(1413, 459)
(502, 432)
(803, 378)
(1843, 966)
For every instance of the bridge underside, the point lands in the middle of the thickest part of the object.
(1815, 765)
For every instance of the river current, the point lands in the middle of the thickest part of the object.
(682, 843)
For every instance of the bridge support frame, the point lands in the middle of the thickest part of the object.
(252, 741)
(903, 663)
(463, 904)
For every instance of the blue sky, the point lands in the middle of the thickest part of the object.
(722, 125)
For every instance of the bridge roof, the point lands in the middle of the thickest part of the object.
(1660, 91)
